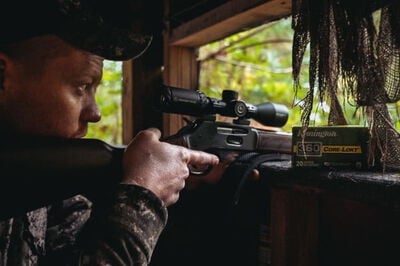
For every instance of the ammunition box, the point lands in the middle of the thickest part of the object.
(331, 146)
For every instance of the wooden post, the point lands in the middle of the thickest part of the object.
(142, 81)
(294, 227)
(180, 70)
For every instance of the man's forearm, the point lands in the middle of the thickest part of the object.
(128, 231)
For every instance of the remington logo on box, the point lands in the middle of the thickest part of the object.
(333, 146)
(318, 134)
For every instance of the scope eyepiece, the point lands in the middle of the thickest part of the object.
(195, 103)
(184, 101)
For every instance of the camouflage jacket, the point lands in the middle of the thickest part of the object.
(79, 232)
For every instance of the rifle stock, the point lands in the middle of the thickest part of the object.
(38, 171)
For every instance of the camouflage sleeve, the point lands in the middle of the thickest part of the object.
(125, 232)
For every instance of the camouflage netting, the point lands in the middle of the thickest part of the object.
(348, 48)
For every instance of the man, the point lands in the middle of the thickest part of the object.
(51, 56)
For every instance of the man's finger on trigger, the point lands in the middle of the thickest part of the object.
(200, 157)
(231, 157)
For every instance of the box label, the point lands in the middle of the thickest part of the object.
(342, 146)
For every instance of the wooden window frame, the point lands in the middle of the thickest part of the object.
(178, 48)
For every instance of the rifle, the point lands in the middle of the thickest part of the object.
(37, 171)
(221, 138)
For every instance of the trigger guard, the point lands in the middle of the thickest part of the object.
(199, 173)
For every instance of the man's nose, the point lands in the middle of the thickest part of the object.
(91, 112)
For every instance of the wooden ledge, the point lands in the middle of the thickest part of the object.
(373, 187)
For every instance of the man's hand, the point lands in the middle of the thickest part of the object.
(159, 166)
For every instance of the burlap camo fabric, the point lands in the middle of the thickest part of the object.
(355, 45)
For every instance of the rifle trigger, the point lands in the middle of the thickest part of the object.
(195, 171)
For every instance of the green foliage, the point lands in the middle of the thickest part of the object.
(257, 64)
(109, 99)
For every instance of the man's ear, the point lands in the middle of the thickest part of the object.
(5, 64)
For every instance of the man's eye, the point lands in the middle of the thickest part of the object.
(80, 89)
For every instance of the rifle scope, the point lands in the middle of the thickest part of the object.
(195, 103)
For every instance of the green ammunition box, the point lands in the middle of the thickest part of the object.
(331, 146)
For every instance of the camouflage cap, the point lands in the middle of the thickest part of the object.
(114, 29)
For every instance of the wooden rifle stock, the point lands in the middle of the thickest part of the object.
(271, 141)
(39, 171)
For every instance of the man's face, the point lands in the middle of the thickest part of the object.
(59, 101)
